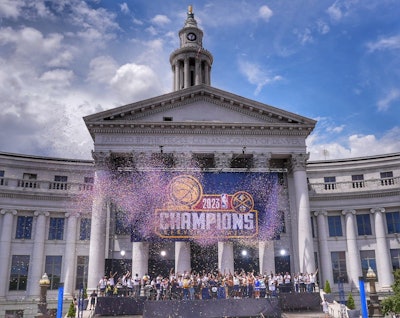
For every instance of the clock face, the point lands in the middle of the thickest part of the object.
(191, 36)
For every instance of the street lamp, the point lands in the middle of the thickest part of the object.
(44, 283)
(374, 306)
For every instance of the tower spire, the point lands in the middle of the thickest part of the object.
(191, 63)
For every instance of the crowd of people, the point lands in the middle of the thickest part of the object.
(217, 285)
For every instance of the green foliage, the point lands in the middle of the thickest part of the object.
(350, 302)
(85, 296)
(71, 310)
(327, 287)
(392, 304)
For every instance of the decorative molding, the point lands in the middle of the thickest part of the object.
(321, 212)
(349, 212)
(101, 159)
(377, 210)
(38, 213)
(298, 162)
(5, 211)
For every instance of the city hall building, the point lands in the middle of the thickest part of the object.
(196, 179)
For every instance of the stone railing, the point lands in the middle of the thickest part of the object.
(44, 185)
(355, 186)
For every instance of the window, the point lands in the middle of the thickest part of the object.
(339, 269)
(24, 227)
(203, 161)
(335, 225)
(53, 270)
(81, 271)
(367, 261)
(330, 183)
(364, 224)
(242, 161)
(393, 222)
(88, 184)
(14, 314)
(28, 181)
(358, 181)
(60, 183)
(167, 118)
(395, 255)
(1, 177)
(163, 160)
(19, 272)
(122, 224)
(56, 229)
(387, 178)
(84, 233)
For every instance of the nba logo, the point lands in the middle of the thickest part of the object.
(224, 201)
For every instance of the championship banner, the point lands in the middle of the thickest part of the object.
(229, 205)
(191, 213)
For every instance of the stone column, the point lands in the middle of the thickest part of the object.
(5, 250)
(182, 257)
(266, 254)
(206, 73)
(305, 240)
(325, 270)
(186, 73)
(69, 260)
(140, 258)
(384, 269)
(197, 74)
(353, 255)
(262, 160)
(36, 266)
(98, 237)
(225, 257)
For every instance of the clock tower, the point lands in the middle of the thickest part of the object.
(191, 63)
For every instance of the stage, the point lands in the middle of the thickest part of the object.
(210, 308)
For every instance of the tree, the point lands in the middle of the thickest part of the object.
(327, 287)
(71, 310)
(350, 302)
(391, 304)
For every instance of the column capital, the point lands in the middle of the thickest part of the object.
(222, 160)
(349, 211)
(321, 212)
(4, 211)
(377, 210)
(298, 161)
(37, 213)
(101, 159)
(261, 160)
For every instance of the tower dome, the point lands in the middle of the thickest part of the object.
(191, 63)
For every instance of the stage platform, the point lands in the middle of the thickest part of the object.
(268, 307)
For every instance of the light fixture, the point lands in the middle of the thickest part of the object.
(244, 252)
(163, 253)
(123, 253)
(283, 252)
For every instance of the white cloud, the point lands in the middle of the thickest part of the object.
(58, 77)
(354, 145)
(102, 69)
(10, 8)
(388, 43)
(160, 19)
(384, 103)
(256, 75)
(336, 129)
(305, 36)
(124, 8)
(265, 13)
(322, 27)
(335, 12)
(134, 82)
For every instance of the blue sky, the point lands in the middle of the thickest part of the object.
(337, 62)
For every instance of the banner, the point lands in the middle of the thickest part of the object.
(230, 205)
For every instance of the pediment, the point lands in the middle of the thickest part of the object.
(199, 105)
